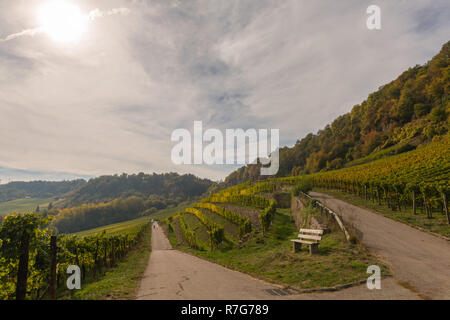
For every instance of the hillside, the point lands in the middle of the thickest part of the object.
(158, 186)
(112, 199)
(247, 227)
(37, 189)
(243, 228)
(412, 187)
(24, 205)
(401, 115)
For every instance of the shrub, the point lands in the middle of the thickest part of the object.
(303, 185)
(438, 114)
(421, 110)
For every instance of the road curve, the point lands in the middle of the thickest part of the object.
(174, 275)
(417, 258)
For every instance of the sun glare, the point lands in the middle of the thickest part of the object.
(62, 21)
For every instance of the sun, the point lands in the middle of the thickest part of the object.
(62, 21)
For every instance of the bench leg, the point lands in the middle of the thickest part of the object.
(313, 248)
(297, 246)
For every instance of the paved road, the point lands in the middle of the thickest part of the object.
(174, 275)
(417, 258)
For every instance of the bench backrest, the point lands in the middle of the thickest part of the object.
(310, 234)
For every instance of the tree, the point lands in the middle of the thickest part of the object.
(405, 106)
(439, 114)
(421, 110)
(18, 234)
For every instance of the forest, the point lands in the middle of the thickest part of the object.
(92, 215)
(167, 185)
(111, 199)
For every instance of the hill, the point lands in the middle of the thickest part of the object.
(157, 186)
(401, 115)
(24, 205)
(112, 199)
(38, 189)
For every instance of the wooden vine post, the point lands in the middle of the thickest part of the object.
(22, 272)
(444, 198)
(113, 258)
(53, 251)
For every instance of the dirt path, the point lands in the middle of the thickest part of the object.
(174, 275)
(418, 259)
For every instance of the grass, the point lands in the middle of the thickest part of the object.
(165, 213)
(438, 224)
(394, 150)
(246, 212)
(120, 282)
(23, 205)
(271, 257)
(231, 230)
(126, 225)
(115, 228)
(175, 238)
(201, 232)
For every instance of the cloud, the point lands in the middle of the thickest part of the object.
(97, 13)
(110, 104)
(24, 33)
(7, 175)
(92, 15)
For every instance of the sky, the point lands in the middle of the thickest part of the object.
(108, 102)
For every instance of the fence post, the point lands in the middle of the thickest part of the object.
(113, 258)
(22, 273)
(53, 248)
(444, 198)
(105, 254)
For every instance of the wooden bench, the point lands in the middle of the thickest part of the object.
(310, 237)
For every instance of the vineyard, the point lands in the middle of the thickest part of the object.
(245, 195)
(409, 184)
(263, 249)
(416, 179)
(236, 218)
(33, 262)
